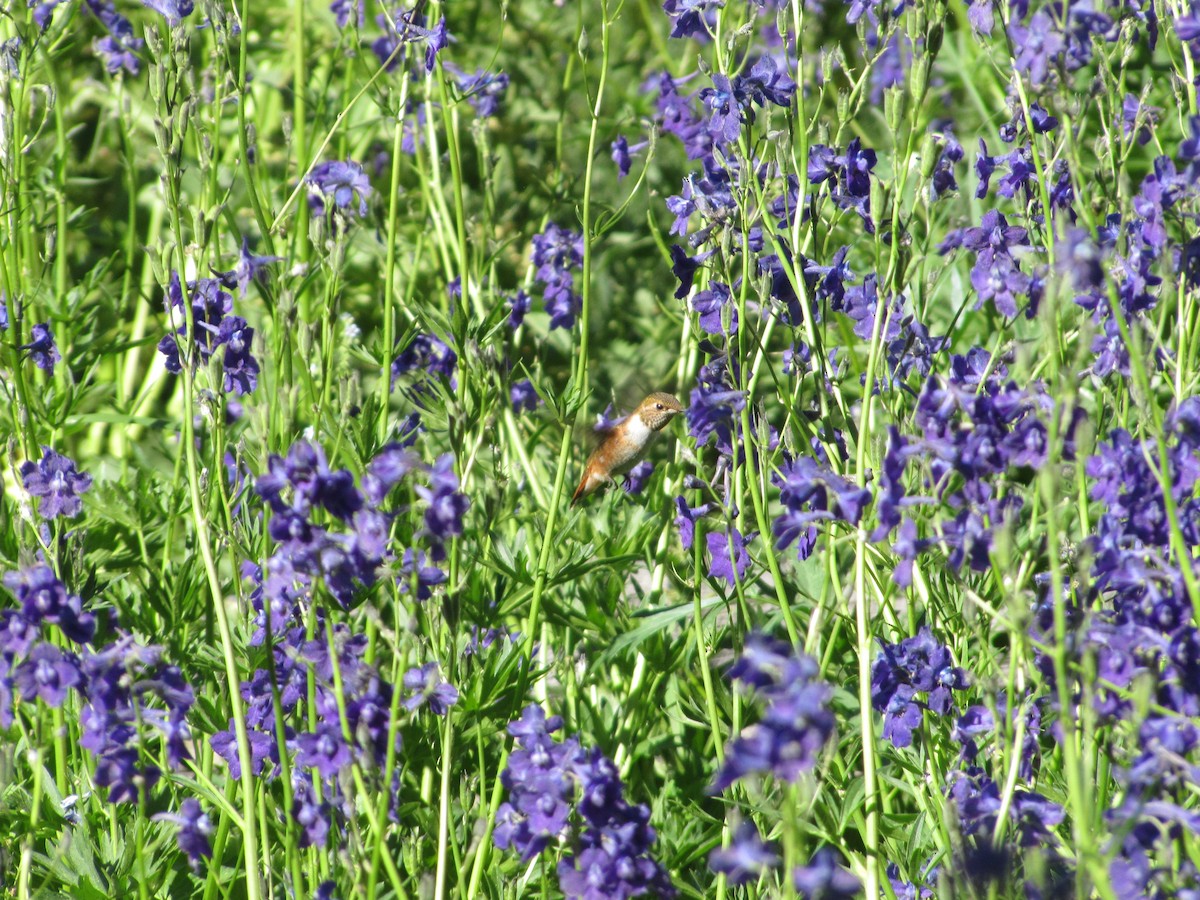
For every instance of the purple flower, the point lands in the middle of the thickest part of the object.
(727, 555)
(684, 267)
(427, 687)
(239, 366)
(42, 349)
(825, 878)
(713, 406)
(313, 815)
(338, 181)
(810, 493)
(767, 83)
(446, 506)
(484, 91)
(44, 598)
(323, 750)
(174, 11)
(636, 480)
(47, 674)
(557, 789)
(417, 577)
(524, 396)
(691, 18)
(677, 115)
(797, 722)
(1038, 46)
(54, 479)
(426, 354)
(390, 465)
(249, 267)
(119, 47)
(746, 858)
(1136, 116)
(518, 306)
(195, 828)
(557, 252)
(622, 154)
(3, 311)
(347, 12)
(407, 26)
(942, 181)
(916, 664)
(710, 303)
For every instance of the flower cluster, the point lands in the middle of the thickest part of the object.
(123, 687)
(408, 27)
(41, 347)
(915, 665)
(560, 792)
(297, 486)
(797, 723)
(207, 324)
(848, 175)
(731, 101)
(119, 48)
(339, 182)
(425, 356)
(56, 483)
(810, 492)
(557, 252)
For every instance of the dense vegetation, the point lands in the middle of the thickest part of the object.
(311, 316)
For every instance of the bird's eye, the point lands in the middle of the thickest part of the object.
(658, 406)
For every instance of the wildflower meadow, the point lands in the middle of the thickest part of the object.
(313, 316)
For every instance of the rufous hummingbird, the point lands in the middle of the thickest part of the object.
(624, 443)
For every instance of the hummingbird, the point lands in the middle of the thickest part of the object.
(626, 442)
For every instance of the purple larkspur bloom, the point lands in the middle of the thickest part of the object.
(556, 789)
(339, 181)
(810, 492)
(710, 304)
(195, 829)
(557, 252)
(348, 12)
(47, 674)
(1038, 45)
(41, 347)
(44, 598)
(900, 671)
(727, 556)
(677, 114)
(407, 26)
(312, 812)
(797, 722)
(391, 463)
(174, 11)
(248, 268)
(483, 90)
(118, 48)
(446, 506)
(518, 306)
(324, 750)
(523, 396)
(418, 577)
(746, 858)
(427, 688)
(713, 406)
(691, 18)
(56, 482)
(825, 878)
(635, 481)
(622, 154)
(426, 355)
